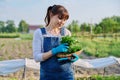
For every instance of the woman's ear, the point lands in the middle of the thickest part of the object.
(51, 14)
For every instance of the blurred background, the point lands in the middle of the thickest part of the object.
(94, 23)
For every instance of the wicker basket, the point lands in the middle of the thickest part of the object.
(62, 55)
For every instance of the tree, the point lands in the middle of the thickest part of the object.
(116, 23)
(10, 27)
(83, 27)
(116, 18)
(97, 30)
(23, 27)
(108, 25)
(2, 26)
(74, 27)
(88, 28)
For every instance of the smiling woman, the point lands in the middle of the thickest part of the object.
(57, 13)
(46, 45)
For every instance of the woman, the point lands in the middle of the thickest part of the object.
(46, 45)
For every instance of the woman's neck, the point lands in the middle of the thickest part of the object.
(53, 30)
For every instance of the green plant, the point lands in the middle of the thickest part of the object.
(68, 39)
(72, 42)
(9, 35)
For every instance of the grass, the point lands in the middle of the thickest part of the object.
(98, 77)
(100, 47)
(26, 36)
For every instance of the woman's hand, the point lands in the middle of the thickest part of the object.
(74, 58)
(60, 49)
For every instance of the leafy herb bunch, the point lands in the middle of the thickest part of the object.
(73, 44)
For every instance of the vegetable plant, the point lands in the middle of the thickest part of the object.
(74, 45)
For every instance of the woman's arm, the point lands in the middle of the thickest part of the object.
(47, 55)
(37, 42)
(36, 45)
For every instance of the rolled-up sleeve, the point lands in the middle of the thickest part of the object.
(36, 45)
(67, 32)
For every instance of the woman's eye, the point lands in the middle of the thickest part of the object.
(60, 17)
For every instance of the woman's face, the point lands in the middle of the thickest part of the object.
(56, 21)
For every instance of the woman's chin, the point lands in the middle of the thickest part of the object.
(60, 27)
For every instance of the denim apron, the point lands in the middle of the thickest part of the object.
(51, 69)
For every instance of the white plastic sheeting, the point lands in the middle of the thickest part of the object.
(11, 66)
(97, 63)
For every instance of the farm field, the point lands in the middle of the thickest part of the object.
(15, 48)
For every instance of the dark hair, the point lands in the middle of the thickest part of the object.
(56, 10)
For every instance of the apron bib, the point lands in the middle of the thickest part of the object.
(51, 69)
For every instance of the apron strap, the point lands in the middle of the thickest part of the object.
(43, 31)
(62, 31)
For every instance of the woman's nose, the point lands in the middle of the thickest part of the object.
(62, 21)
